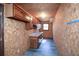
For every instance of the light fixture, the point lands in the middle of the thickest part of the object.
(29, 18)
(43, 15)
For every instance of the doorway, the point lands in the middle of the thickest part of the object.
(1, 30)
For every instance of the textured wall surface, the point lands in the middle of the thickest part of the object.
(16, 37)
(66, 32)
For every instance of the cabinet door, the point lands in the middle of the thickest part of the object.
(18, 13)
(1, 30)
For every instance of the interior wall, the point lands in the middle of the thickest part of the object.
(66, 32)
(16, 37)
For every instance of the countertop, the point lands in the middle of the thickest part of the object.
(36, 34)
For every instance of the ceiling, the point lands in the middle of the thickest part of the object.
(37, 8)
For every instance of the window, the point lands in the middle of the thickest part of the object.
(45, 26)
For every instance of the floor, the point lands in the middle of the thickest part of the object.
(46, 48)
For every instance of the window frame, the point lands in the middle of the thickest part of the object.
(46, 29)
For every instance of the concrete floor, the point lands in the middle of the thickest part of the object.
(46, 48)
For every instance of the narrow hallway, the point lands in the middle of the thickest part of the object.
(26, 23)
(46, 48)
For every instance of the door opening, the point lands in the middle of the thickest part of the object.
(1, 30)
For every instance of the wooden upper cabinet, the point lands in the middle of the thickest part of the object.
(16, 12)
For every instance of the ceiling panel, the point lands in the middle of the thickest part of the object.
(36, 8)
